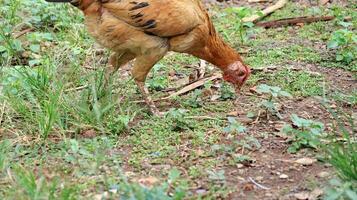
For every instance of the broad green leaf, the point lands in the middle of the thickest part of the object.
(35, 48)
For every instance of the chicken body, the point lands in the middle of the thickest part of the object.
(147, 29)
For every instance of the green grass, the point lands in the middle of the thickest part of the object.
(50, 101)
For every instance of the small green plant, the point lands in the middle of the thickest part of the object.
(306, 134)
(342, 155)
(240, 26)
(345, 42)
(234, 126)
(97, 105)
(26, 185)
(4, 155)
(340, 190)
(157, 81)
(271, 103)
(194, 100)
(227, 92)
(217, 176)
(33, 94)
(249, 142)
(177, 116)
(172, 189)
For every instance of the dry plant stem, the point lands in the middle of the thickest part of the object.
(2, 113)
(193, 86)
(17, 35)
(266, 11)
(258, 117)
(77, 88)
(258, 1)
(296, 20)
(258, 185)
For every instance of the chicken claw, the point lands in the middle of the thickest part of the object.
(145, 92)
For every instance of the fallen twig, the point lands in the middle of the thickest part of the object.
(77, 88)
(204, 118)
(258, 1)
(257, 184)
(296, 20)
(193, 86)
(2, 113)
(21, 33)
(266, 11)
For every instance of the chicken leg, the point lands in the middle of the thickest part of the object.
(142, 66)
(116, 60)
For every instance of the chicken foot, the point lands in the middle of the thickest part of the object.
(145, 92)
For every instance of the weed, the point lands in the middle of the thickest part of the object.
(274, 93)
(345, 41)
(177, 117)
(25, 185)
(32, 95)
(234, 126)
(226, 92)
(172, 189)
(306, 134)
(217, 176)
(240, 26)
(157, 81)
(194, 100)
(4, 155)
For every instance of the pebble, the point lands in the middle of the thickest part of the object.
(306, 161)
(259, 178)
(240, 166)
(302, 195)
(268, 194)
(323, 174)
(283, 176)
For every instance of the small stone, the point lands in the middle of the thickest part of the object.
(201, 191)
(302, 195)
(259, 178)
(305, 161)
(323, 174)
(268, 194)
(283, 176)
(316, 193)
(240, 166)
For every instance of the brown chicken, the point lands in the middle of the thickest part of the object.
(145, 30)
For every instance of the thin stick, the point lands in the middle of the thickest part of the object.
(204, 118)
(17, 35)
(297, 20)
(258, 1)
(193, 86)
(77, 88)
(266, 11)
(2, 113)
(257, 184)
